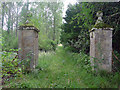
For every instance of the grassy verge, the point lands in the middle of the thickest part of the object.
(62, 69)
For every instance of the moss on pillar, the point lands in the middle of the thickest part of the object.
(102, 25)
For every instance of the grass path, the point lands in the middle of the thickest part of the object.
(56, 71)
(60, 69)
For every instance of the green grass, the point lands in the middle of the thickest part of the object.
(62, 69)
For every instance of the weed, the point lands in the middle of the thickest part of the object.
(63, 69)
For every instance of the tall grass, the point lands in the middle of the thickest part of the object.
(62, 69)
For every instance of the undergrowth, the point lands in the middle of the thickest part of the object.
(62, 69)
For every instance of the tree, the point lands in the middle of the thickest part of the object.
(47, 17)
(56, 9)
(3, 13)
(80, 18)
(75, 30)
(111, 11)
(9, 16)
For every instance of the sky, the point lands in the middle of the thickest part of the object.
(66, 3)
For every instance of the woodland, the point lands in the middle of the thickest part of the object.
(63, 43)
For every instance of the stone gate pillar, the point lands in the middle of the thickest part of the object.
(101, 45)
(28, 44)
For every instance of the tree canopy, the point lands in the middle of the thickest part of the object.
(81, 17)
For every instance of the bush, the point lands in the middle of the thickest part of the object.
(10, 41)
(101, 79)
(46, 44)
(116, 61)
(10, 66)
(75, 31)
(83, 60)
(20, 85)
(10, 62)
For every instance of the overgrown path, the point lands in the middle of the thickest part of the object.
(61, 69)
(56, 69)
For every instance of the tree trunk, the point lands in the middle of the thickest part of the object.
(17, 22)
(9, 17)
(27, 5)
(3, 13)
(27, 8)
(54, 30)
(11, 21)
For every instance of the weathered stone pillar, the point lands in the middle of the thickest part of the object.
(28, 44)
(101, 45)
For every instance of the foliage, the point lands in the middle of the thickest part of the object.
(111, 13)
(79, 20)
(9, 62)
(20, 85)
(10, 41)
(25, 63)
(75, 30)
(102, 25)
(10, 65)
(83, 60)
(81, 17)
(116, 61)
(46, 44)
(46, 16)
(48, 22)
(62, 69)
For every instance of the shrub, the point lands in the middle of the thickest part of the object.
(10, 62)
(75, 31)
(83, 60)
(46, 44)
(116, 61)
(10, 41)
(10, 66)
(20, 85)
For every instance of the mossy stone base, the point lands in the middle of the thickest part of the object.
(102, 25)
(28, 24)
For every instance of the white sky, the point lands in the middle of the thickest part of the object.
(66, 3)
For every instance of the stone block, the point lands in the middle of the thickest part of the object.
(28, 44)
(101, 49)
